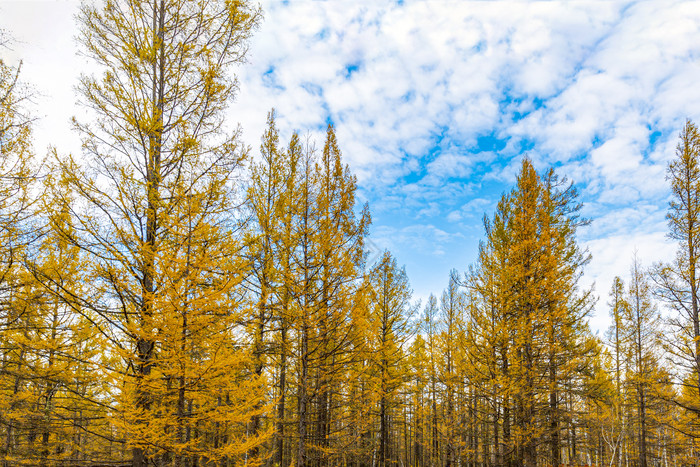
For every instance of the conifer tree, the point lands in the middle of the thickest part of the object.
(567, 335)
(527, 288)
(68, 376)
(340, 251)
(429, 324)
(678, 281)
(15, 170)
(489, 332)
(156, 219)
(641, 323)
(19, 308)
(286, 244)
(389, 327)
(617, 340)
(451, 306)
(527, 316)
(16, 166)
(265, 199)
(419, 378)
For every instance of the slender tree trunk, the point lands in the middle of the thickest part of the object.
(435, 452)
(49, 388)
(383, 431)
(259, 341)
(694, 298)
(498, 452)
(383, 415)
(322, 428)
(507, 441)
(303, 398)
(529, 447)
(641, 384)
(554, 414)
(181, 414)
(144, 345)
(642, 428)
(449, 454)
(282, 388)
(301, 458)
(692, 272)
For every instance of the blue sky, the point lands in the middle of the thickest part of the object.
(436, 102)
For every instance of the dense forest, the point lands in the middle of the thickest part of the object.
(171, 297)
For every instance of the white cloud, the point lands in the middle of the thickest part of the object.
(44, 42)
(473, 210)
(420, 239)
(612, 256)
(416, 88)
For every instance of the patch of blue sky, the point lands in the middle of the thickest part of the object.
(312, 88)
(428, 204)
(351, 69)
(413, 176)
(517, 108)
(490, 142)
(365, 20)
(448, 238)
(430, 68)
(270, 79)
(654, 136)
(526, 145)
(322, 34)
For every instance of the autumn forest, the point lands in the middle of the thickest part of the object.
(173, 297)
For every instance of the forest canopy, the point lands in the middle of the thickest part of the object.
(169, 296)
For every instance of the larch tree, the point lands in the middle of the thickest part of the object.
(528, 317)
(390, 329)
(327, 265)
(565, 307)
(155, 216)
(18, 311)
(286, 244)
(678, 283)
(305, 292)
(16, 166)
(266, 202)
(490, 335)
(306, 246)
(429, 324)
(340, 237)
(419, 378)
(527, 330)
(360, 397)
(617, 341)
(71, 423)
(452, 303)
(641, 321)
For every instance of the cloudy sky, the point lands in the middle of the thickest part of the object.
(436, 102)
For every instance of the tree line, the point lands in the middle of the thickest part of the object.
(168, 298)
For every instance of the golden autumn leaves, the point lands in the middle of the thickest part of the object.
(161, 304)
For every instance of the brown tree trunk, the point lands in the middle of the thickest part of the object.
(144, 346)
